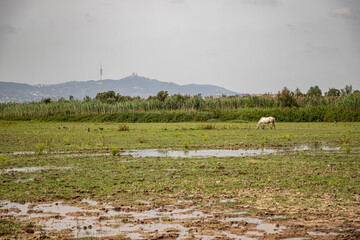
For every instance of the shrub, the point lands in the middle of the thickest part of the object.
(40, 148)
(66, 141)
(140, 140)
(3, 159)
(347, 150)
(114, 150)
(123, 127)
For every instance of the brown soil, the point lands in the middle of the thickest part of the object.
(183, 220)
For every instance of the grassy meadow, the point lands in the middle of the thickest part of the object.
(285, 181)
(318, 184)
(18, 136)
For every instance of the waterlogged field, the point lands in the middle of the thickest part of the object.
(206, 181)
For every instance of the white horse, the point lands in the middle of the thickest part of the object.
(266, 120)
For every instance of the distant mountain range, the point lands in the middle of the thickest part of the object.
(133, 86)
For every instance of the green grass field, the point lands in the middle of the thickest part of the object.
(30, 136)
(293, 183)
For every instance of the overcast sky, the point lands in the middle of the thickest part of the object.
(248, 46)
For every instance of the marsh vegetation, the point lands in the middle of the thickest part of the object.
(312, 185)
(108, 107)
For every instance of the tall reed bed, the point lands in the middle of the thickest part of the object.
(223, 108)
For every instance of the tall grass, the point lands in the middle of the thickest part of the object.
(189, 108)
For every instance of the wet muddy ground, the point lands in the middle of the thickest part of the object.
(183, 220)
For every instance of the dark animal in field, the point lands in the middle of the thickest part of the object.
(266, 120)
(101, 129)
(88, 129)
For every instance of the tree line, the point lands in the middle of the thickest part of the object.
(284, 98)
(338, 104)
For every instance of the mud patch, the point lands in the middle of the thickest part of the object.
(89, 218)
(99, 220)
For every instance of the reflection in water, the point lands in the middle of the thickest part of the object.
(315, 146)
(223, 152)
(198, 153)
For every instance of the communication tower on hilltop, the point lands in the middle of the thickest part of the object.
(101, 71)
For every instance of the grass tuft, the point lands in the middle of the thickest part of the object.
(123, 128)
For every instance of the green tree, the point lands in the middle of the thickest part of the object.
(347, 90)
(162, 95)
(87, 98)
(197, 101)
(120, 98)
(46, 100)
(111, 100)
(298, 93)
(104, 96)
(286, 98)
(333, 92)
(314, 91)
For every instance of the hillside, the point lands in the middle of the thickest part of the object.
(129, 86)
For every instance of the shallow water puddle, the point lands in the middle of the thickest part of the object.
(197, 153)
(63, 154)
(33, 169)
(313, 147)
(98, 220)
(321, 234)
(234, 236)
(223, 152)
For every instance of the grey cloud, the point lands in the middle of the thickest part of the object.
(251, 46)
(90, 18)
(261, 2)
(7, 29)
(342, 12)
(176, 1)
(322, 48)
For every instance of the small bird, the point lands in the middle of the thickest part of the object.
(101, 129)
(88, 129)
